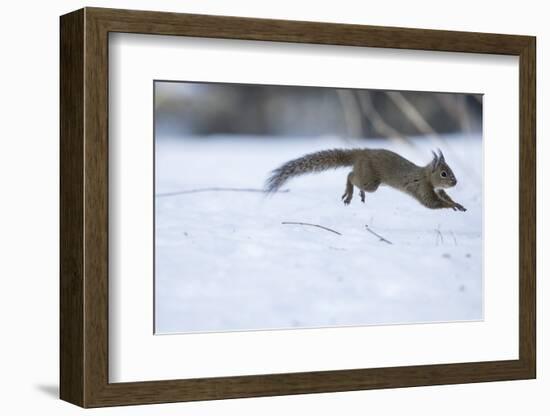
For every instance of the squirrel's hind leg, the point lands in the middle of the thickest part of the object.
(365, 179)
(348, 193)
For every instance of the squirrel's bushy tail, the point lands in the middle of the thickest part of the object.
(311, 163)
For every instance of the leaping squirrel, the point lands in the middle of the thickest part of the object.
(374, 167)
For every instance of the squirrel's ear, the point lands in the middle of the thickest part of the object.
(441, 157)
(435, 161)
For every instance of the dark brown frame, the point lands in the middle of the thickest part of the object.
(84, 207)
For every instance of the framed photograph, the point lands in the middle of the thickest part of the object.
(255, 207)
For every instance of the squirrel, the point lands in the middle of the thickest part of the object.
(375, 167)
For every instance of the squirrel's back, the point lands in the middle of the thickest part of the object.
(389, 167)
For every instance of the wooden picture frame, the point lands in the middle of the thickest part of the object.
(84, 207)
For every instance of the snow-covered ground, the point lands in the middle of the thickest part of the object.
(225, 262)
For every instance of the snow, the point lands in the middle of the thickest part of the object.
(224, 261)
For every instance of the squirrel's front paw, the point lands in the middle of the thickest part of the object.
(459, 207)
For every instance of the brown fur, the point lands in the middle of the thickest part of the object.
(374, 167)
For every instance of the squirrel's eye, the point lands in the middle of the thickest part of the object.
(443, 174)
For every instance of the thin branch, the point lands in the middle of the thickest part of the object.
(378, 235)
(311, 225)
(351, 112)
(412, 113)
(438, 236)
(454, 238)
(337, 248)
(455, 106)
(194, 191)
(375, 118)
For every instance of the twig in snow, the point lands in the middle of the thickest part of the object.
(378, 235)
(454, 238)
(438, 236)
(337, 248)
(311, 225)
(194, 191)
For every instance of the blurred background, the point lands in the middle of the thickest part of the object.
(205, 109)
